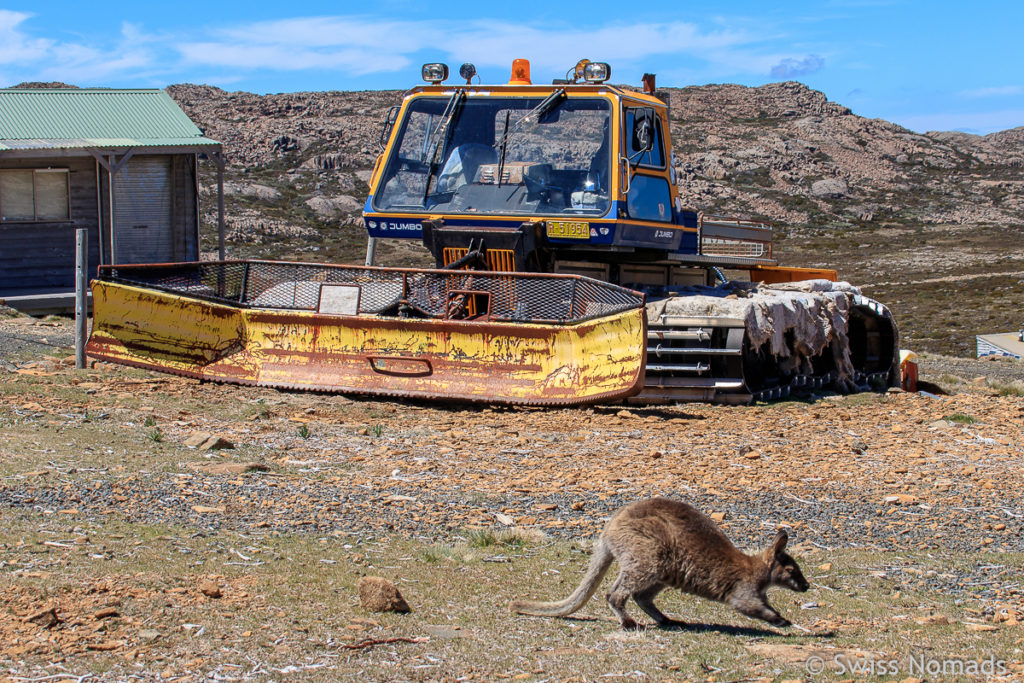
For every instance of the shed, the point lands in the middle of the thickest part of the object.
(123, 164)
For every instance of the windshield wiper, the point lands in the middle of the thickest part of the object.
(546, 106)
(443, 131)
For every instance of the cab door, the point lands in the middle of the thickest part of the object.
(650, 196)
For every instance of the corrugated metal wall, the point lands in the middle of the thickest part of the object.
(142, 211)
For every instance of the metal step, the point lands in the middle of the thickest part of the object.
(666, 320)
(678, 367)
(691, 350)
(699, 334)
(717, 383)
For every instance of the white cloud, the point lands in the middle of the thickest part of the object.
(36, 59)
(790, 68)
(289, 58)
(364, 45)
(15, 46)
(359, 45)
(1001, 91)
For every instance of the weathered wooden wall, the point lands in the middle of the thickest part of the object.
(36, 257)
(41, 256)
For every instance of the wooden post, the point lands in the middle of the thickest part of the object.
(81, 281)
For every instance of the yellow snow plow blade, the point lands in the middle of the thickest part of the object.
(459, 335)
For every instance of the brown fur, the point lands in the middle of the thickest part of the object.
(661, 543)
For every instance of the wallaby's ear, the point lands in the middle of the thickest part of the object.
(777, 546)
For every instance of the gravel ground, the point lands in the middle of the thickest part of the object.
(22, 335)
(258, 505)
(855, 472)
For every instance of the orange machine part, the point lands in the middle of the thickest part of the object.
(774, 274)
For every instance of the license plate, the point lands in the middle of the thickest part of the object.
(571, 230)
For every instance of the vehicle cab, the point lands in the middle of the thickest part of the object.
(584, 163)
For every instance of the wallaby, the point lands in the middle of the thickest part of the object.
(661, 543)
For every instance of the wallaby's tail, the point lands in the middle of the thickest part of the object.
(599, 563)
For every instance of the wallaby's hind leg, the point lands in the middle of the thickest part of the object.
(617, 597)
(645, 600)
(627, 585)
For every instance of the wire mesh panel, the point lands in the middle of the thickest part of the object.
(511, 297)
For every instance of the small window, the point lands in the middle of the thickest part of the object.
(654, 158)
(34, 195)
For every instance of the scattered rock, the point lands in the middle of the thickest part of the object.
(216, 443)
(210, 589)
(380, 595)
(197, 439)
(46, 618)
(932, 619)
(205, 441)
(148, 634)
(105, 613)
(980, 628)
(717, 516)
(254, 190)
(902, 499)
(829, 188)
(332, 207)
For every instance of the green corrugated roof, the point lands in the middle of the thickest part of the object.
(94, 118)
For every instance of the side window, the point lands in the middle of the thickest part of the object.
(649, 198)
(654, 158)
(34, 195)
(406, 174)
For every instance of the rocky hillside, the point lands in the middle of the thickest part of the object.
(785, 152)
(781, 152)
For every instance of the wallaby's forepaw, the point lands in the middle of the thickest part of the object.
(781, 622)
(671, 624)
(628, 624)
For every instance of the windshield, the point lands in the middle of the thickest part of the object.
(479, 155)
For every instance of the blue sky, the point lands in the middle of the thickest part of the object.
(926, 65)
